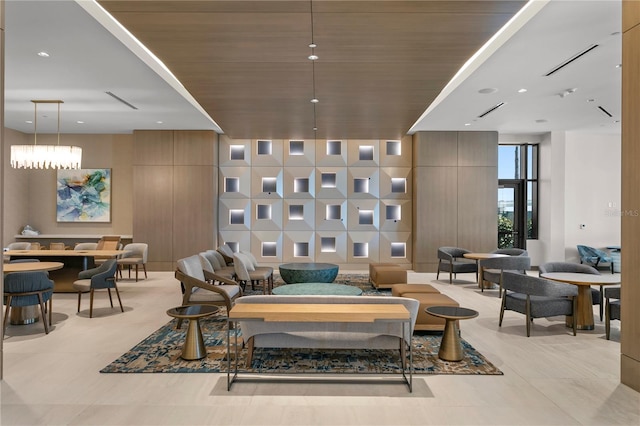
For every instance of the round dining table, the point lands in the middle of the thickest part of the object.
(22, 315)
(482, 256)
(584, 282)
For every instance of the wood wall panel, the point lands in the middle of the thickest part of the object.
(434, 215)
(630, 328)
(454, 205)
(193, 208)
(478, 149)
(435, 149)
(153, 210)
(194, 148)
(477, 207)
(153, 147)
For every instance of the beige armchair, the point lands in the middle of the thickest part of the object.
(197, 291)
(136, 255)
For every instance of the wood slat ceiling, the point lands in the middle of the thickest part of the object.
(381, 63)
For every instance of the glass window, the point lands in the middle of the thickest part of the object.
(509, 162)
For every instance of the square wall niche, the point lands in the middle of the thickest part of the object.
(399, 185)
(235, 182)
(301, 185)
(363, 182)
(363, 247)
(398, 250)
(298, 246)
(364, 215)
(236, 152)
(267, 182)
(331, 215)
(233, 214)
(363, 153)
(394, 148)
(266, 215)
(236, 217)
(300, 215)
(299, 153)
(231, 185)
(395, 182)
(331, 153)
(233, 152)
(360, 185)
(269, 249)
(396, 215)
(331, 247)
(361, 250)
(235, 239)
(266, 246)
(267, 152)
(396, 153)
(299, 182)
(395, 247)
(393, 212)
(331, 182)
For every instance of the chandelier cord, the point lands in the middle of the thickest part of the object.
(35, 123)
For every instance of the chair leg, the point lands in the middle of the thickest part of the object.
(502, 307)
(6, 314)
(528, 314)
(575, 314)
(136, 272)
(43, 313)
(607, 321)
(91, 304)
(51, 310)
(110, 298)
(79, 297)
(144, 268)
(601, 301)
(438, 272)
(118, 294)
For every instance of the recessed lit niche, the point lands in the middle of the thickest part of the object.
(365, 153)
(365, 217)
(333, 212)
(296, 147)
(398, 249)
(264, 147)
(334, 147)
(263, 211)
(269, 184)
(301, 185)
(296, 212)
(269, 249)
(234, 246)
(360, 249)
(394, 148)
(231, 184)
(300, 249)
(394, 212)
(236, 152)
(399, 185)
(328, 244)
(236, 217)
(361, 185)
(328, 180)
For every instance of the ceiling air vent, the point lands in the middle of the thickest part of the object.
(605, 111)
(571, 59)
(118, 98)
(491, 110)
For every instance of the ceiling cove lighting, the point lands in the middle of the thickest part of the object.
(45, 156)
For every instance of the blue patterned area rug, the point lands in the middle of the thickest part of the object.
(160, 353)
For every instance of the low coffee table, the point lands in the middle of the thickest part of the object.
(317, 288)
(308, 272)
(451, 346)
(193, 347)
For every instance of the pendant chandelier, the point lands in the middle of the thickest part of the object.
(45, 156)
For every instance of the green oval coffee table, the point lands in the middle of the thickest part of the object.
(308, 272)
(317, 289)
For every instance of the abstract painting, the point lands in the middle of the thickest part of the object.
(83, 195)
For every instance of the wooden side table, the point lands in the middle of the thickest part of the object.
(193, 347)
(451, 345)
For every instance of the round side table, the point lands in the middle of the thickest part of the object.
(193, 347)
(451, 346)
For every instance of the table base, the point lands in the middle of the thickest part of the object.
(193, 347)
(451, 346)
(24, 315)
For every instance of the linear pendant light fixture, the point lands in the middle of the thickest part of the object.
(45, 156)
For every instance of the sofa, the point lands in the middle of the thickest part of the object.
(326, 335)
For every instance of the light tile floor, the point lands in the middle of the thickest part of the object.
(551, 378)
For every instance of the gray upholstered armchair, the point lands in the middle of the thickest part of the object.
(99, 278)
(247, 272)
(451, 260)
(27, 289)
(197, 291)
(612, 311)
(491, 269)
(537, 298)
(511, 251)
(596, 295)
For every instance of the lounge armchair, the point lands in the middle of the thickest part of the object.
(537, 298)
(612, 311)
(512, 251)
(451, 260)
(594, 257)
(491, 269)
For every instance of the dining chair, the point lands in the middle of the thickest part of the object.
(136, 255)
(27, 289)
(451, 260)
(102, 277)
(57, 246)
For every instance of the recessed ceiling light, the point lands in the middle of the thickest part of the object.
(159, 122)
(314, 101)
(313, 57)
(541, 120)
(591, 100)
(43, 54)
(488, 90)
(523, 90)
(80, 122)
(315, 128)
(467, 124)
(313, 45)
(28, 121)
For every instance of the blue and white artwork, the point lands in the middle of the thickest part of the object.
(84, 195)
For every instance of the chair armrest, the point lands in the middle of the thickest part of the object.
(190, 283)
(215, 277)
(612, 293)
